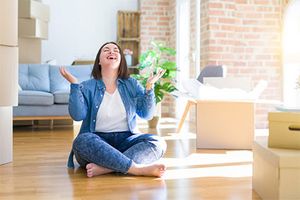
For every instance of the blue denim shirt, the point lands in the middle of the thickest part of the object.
(86, 97)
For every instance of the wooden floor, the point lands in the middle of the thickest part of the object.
(39, 170)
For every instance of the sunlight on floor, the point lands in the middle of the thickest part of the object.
(228, 157)
(223, 164)
(243, 170)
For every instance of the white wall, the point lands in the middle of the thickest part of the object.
(78, 28)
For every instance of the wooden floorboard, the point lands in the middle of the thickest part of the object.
(39, 171)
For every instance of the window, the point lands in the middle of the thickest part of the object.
(182, 46)
(291, 54)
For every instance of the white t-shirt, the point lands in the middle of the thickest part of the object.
(111, 116)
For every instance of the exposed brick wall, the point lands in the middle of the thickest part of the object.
(155, 22)
(158, 23)
(245, 35)
(172, 24)
(169, 104)
(193, 37)
(204, 32)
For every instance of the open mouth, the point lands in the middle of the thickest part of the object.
(111, 57)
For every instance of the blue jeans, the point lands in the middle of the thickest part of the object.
(117, 151)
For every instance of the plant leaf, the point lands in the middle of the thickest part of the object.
(168, 87)
(168, 51)
(168, 65)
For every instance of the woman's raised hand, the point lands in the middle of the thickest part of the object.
(153, 78)
(67, 75)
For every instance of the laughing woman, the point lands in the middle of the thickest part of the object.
(108, 104)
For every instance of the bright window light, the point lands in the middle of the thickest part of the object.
(291, 55)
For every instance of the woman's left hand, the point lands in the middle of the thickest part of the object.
(153, 78)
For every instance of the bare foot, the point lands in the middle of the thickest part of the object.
(156, 170)
(96, 170)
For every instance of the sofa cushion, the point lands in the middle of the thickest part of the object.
(29, 97)
(34, 77)
(59, 83)
(51, 110)
(61, 97)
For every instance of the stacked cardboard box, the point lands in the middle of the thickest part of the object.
(284, 130)
(33, 19)
(276, 159)
(33, 27)
(8, 74)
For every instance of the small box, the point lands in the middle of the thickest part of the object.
(33, 28)
(83, 62)
(225, 124)
(33, 9)
(284, 130)
(9, 23)
(276, 172)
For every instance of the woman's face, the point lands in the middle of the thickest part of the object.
(110, 56)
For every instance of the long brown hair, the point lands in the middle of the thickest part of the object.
(122, 72)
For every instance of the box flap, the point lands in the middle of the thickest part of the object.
(284, 116)
(284, 158)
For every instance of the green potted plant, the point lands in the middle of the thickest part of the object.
(158, 57)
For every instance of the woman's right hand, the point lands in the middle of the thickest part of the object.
(67, 75)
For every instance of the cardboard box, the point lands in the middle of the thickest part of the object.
(9, 76)
(33, 28)
(34, 9)
(225, 124)
(276, 172)
(9, 23)
(284, 130)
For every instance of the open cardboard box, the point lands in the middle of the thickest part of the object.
(226, 116)
(225, 110)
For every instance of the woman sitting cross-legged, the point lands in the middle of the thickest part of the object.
(108, 104)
